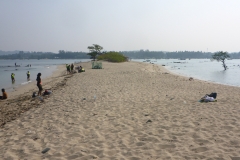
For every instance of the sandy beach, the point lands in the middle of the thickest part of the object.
(125, 111)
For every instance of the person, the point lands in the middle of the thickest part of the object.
(28, 75)
(39, 84)
(79, 69)
(13, 77)
(4, 94)
(68, 69)
(72, 66)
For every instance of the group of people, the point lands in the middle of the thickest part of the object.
(39, 85)
(69, 68)
(13, 76)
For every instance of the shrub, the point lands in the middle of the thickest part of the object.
(112, 57)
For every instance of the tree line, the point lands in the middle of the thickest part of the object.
(141, 54)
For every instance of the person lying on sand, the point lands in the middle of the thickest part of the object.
(4, 94)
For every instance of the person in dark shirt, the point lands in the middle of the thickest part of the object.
(4, 94)
(39, 84)
(72, 67)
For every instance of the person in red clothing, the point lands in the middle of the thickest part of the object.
(4, 94)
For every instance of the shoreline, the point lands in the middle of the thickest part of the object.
(127, 110)
(32, 85)
(170, 66)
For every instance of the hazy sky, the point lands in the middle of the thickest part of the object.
(159, 25)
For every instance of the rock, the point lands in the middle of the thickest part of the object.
(45, 150)
(149, 121)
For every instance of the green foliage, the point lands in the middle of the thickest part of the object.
(112, 57)
(94, 50)
(93, 55)
(221, 56)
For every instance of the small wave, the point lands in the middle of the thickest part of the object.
(24, 83)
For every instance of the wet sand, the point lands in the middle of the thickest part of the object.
(125, 111)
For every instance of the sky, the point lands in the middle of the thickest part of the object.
(120, 25)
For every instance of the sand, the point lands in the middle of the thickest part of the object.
(126, 111)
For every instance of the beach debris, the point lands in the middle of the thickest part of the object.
(84, 99)
(171, 98)
(149, 121)
(146, 114)
(35, 138)
(191, 79)
(40, 98)
(94, 114)
(45, 150)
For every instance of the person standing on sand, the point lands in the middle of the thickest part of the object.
(13, 77)
(72, 66)
(39, 84)
(28, 75)
(4, 95)
(68, 69)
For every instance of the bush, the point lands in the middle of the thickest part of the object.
(112, 57)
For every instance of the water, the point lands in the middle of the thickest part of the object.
(203, 69)
(46, 67)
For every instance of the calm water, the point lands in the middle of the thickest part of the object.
(203, 69)
(46, 67)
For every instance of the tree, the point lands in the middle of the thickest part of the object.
(221, 56)
(93, 55)
(95, 50)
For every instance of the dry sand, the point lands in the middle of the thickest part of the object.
(126, 111)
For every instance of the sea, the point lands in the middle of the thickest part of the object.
(202, 69)
(45, 66)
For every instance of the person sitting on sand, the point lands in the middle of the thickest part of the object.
(79, 69)
(28, 75)
(39, 84)
(13, 77)
(4, 94)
